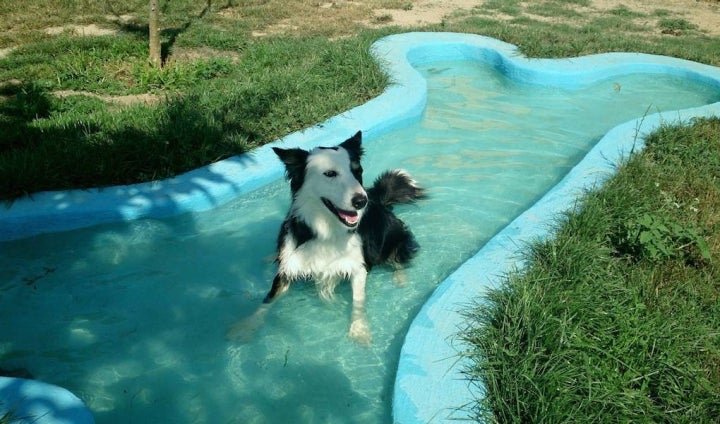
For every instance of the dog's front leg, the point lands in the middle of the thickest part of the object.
(280, 285)
(359, 328)
(244, 330)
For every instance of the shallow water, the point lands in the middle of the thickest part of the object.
(132, 316)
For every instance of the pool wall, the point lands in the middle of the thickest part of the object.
(30, 401)
(429, 386)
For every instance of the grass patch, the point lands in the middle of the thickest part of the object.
(593, 328)
(254, 82)
(675, 24)
(625, 12)
(553, 9)
(105, 65)
(222, 110)
(508, 7)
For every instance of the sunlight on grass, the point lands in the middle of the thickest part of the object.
(595, 328)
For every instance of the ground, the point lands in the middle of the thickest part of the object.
(346, 16)
(704, 14)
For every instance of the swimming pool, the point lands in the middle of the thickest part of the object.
(138, 296)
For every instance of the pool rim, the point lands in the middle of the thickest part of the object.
(429, 384)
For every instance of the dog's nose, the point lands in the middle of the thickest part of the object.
(359, 201)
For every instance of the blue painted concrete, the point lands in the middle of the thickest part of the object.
(429, 386)
(30, 401)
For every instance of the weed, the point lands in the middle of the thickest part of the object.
(662, 13)
(656, 237)
(508, 7)
(381, 19)
(675, 24)
(552, 10)
(625, 12)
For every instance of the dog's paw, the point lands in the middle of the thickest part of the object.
(400, 277)
(360, 332)
(244, 330)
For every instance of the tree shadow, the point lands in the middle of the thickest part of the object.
(140, 335)
(101, 147)
(169, 35)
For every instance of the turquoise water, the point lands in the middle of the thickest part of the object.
(132, 316)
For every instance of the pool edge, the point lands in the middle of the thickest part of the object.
(41, 403)
(430, 386)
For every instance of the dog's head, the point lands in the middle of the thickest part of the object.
(326, 182)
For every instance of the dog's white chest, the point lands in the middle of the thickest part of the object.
(339, 256)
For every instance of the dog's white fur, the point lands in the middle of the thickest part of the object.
(335, 253)
(335, 230)
(340, 190)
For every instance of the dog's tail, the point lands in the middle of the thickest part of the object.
(394, 187)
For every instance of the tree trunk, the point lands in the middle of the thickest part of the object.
(155, 51)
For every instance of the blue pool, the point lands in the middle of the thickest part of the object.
(124, 295)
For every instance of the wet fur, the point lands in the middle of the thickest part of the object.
(336, 230)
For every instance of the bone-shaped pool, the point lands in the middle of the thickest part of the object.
(131, 315)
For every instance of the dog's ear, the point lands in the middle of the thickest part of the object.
(294, 160)
(354, 146)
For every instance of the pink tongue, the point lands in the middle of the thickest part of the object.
(349, 217)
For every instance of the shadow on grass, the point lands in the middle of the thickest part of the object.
(169, 35)
(51, 143)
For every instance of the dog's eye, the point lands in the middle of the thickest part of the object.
(330, 174)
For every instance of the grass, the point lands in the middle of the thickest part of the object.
(258, 70)
(213, 108)
(601, 323)
(617, 316)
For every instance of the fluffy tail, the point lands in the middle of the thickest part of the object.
(394, 187)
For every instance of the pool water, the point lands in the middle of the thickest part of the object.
(132, 316)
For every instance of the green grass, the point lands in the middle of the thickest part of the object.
(553, 10)
(105, 65)
(250, 90)
(214, 108)
(602, 324)
(676, 24)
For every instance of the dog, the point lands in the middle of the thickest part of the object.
(336, 230)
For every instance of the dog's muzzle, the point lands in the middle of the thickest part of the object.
(350, 218)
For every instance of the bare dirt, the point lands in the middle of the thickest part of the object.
(704, 14)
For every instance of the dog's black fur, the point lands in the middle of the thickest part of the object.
(385, 239)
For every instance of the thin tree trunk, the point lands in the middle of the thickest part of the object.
(155, 52)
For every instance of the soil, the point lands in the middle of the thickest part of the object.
(704, 14)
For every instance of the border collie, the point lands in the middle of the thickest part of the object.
(336, 230)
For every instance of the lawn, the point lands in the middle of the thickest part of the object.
(615, 317)
(618, 315)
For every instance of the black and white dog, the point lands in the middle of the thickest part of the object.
(335, 230)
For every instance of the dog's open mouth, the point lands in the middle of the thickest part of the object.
(349, 218)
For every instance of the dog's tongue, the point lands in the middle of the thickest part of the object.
(351, 217)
